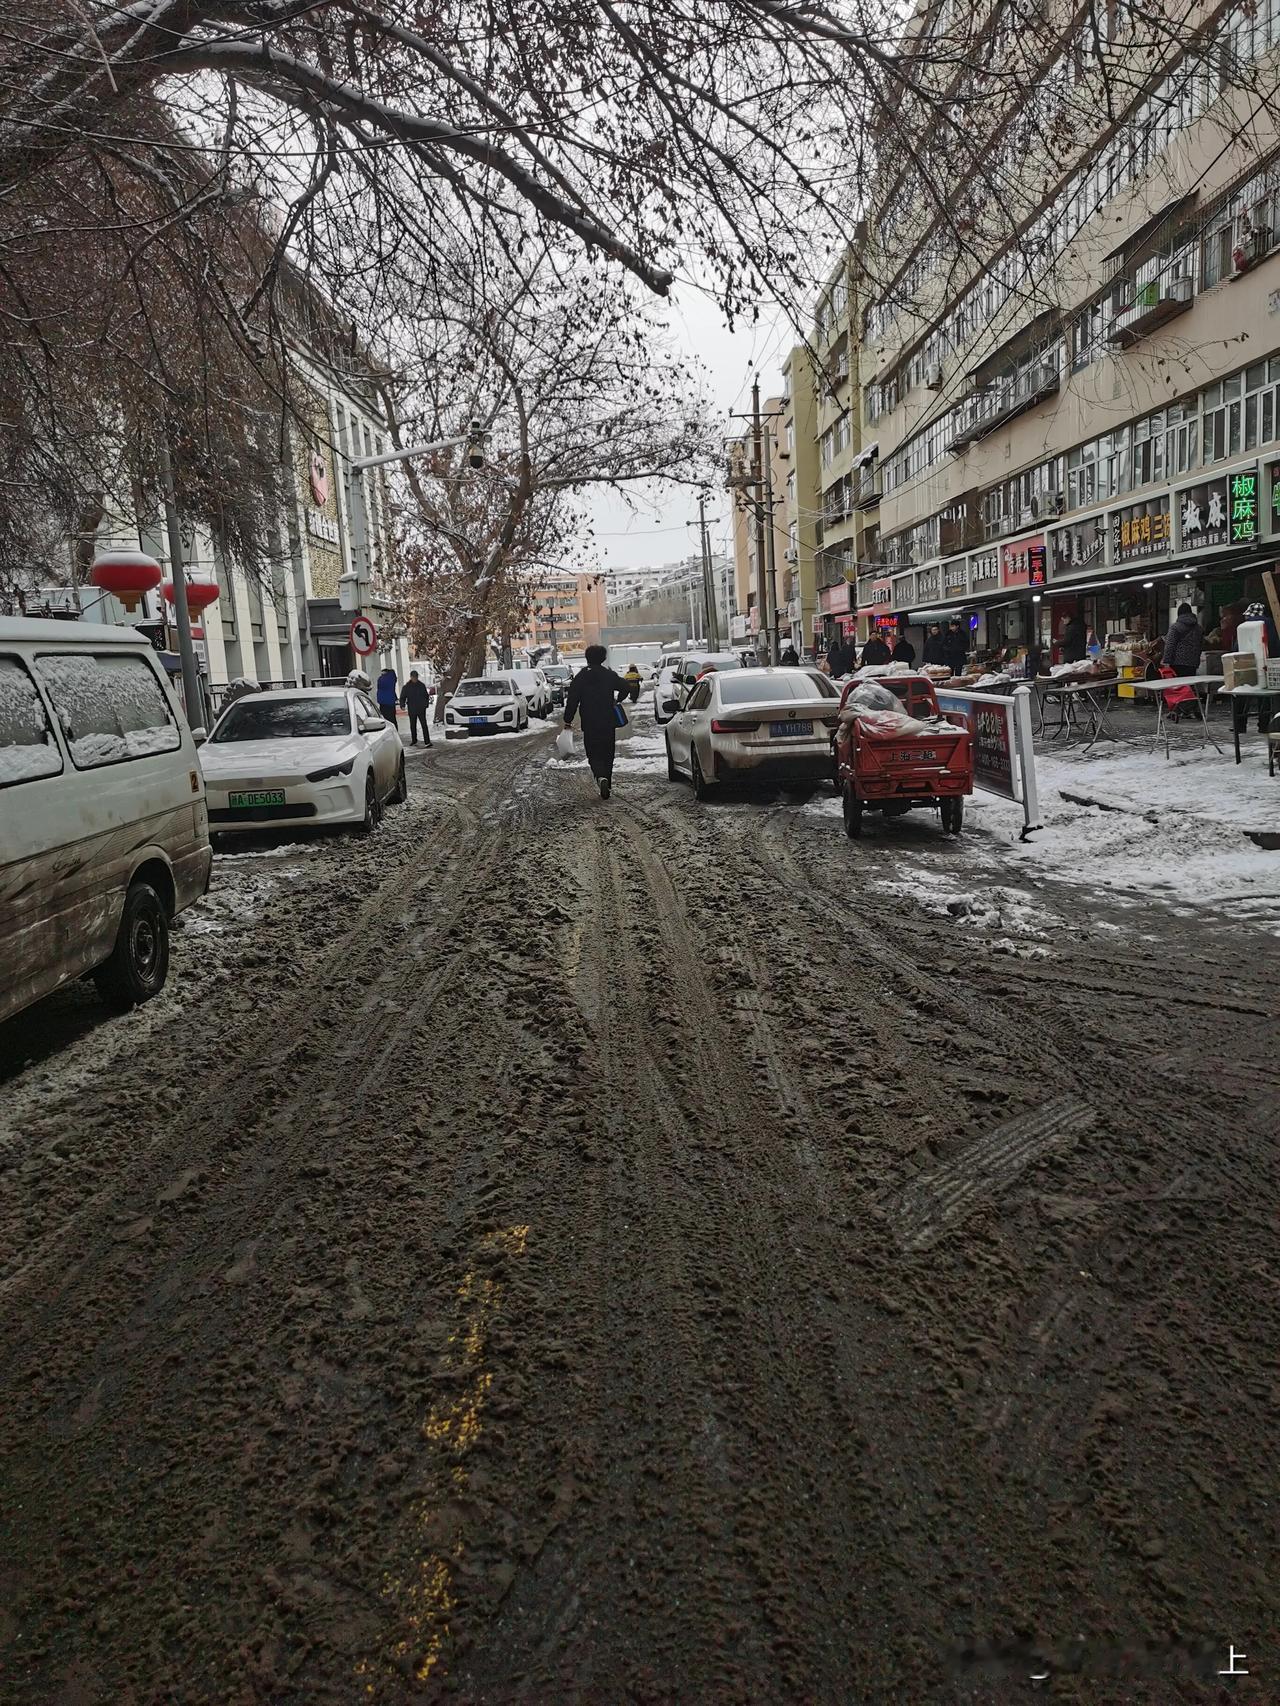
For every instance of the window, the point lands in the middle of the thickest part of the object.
(257, 717)
(111, 708)
(700, 697)
(28, 748)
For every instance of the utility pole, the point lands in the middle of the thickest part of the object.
(708, 578)
(766, 526)
(757, 481)
(192, 692)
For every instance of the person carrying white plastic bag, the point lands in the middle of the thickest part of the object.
(597, 693)
(564, 744)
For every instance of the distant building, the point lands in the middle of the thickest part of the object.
(566, 614)
(674, 596)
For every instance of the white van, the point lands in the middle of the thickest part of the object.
(104, 834)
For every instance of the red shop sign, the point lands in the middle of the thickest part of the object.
(1020, 558)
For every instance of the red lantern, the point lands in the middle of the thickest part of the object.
(126, 575)
(200, 594)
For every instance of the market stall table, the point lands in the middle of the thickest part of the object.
(1244, 694)
(1168, 684)
(1094, 697)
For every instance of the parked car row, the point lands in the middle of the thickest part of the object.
(107, 806)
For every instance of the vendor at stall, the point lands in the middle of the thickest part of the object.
(955, 647)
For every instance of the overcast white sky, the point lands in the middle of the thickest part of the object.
(662, 527)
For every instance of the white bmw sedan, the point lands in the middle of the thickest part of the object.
(309, 756)
(767, 725)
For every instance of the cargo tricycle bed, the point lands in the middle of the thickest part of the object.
(892, 760)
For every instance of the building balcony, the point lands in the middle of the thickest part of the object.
(998, 404)
(1158, 297)
(868, 486)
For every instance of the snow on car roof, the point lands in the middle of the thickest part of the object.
(45, 630)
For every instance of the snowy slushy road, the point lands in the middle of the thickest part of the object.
(566, 1252)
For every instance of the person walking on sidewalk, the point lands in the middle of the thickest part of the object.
(414, 699)
(596, 692)
(387, 695)
(1184, 643)
(632, 679)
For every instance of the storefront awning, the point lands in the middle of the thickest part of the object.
(950, 613)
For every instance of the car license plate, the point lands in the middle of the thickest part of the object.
(271, 797)
(478, 722)
(928, 756)
(781, 730)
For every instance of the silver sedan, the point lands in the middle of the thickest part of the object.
(763, 725)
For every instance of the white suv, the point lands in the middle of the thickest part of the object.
(485, 705)
(535, 687)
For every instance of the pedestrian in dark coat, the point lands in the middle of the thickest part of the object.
(790, 657)
(595, 692)
(955, 648)
(838, 657)
(414, 699)
(903, 651)
(1184, 643)
(875, 652)
(387, 695)
(935, 644)
(1074, 640)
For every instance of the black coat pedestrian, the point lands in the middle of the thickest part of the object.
(935, 647)
(875, 652)
(1184, 644)
(904, 651)
(415, 696)
(1074, 640)
(955, 650)
(839, 657)
(594, 694)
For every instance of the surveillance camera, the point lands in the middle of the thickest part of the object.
(475, 445)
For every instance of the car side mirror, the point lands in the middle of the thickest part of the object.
(371, 725)
(670, 706)
(199, 734)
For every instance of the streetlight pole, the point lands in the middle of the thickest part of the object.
(708, 579)
(192, 692)
(473, 438)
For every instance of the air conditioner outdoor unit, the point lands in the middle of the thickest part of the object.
(933, 378)
(790, 556)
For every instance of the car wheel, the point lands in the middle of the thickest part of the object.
(372, 807)
(953, 814)
(701, 787)
(139, 961)
(673, 775)
(852, 807)
(400, 793)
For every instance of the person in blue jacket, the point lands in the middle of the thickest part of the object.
(387, 695)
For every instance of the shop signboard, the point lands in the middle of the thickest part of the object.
(1022, 562)
(1004, 760)
(900, 592)
(1141, 530)
(834, 599)
(928, 584)
(1077, 549)
(955, 575)
(1221, 511)
(984, 570)
(1273, 490)
(1242, 496)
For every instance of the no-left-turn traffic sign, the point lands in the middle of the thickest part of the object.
(364, 637)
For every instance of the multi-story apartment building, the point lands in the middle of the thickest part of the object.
(798, 450)
(1070, 402)
(566, 614)
(673, 599)
(287, 623)
(840, 530)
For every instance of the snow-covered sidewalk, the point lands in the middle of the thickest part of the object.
(1131, 820)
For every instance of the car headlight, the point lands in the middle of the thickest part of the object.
(449, 717)
(332, 771)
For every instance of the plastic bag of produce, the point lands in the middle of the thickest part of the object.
(870, 696)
